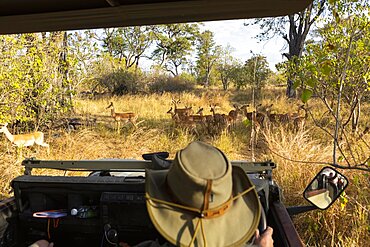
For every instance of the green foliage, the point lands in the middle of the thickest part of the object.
(120, 82)
(227, 67)
(294, 29)
(174, 42)
(324, 64)
(128, 43)
(246, 122)
(207, 53)
(343, 200)
(276, 79)
(306, 95)
(82, 50)
(109, 75)
(189, 78)
(33, 78)
(254, 72)
(335, 68)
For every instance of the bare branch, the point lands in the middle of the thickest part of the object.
(319, 125)
(341, 150)
(322, 8)
(331, 111)
(353, 107)
(343, 76)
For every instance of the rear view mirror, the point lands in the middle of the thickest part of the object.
(325, 188)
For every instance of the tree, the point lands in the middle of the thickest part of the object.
(257, 71)
(336, 69)
(174, 42)
(208, 53)
(294, 30)
(82, 52)
(128, 43)
(32, 78)
(226, 66)
(138, 40)
(113, 42)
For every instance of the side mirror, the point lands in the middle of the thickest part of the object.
(325, 188)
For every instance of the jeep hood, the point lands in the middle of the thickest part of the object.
(20, 16)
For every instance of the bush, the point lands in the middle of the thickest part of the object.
(276, 79)
(120, 82)
(176, 84)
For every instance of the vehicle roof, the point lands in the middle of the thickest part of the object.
(20, 16)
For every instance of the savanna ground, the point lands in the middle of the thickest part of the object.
(346, 223)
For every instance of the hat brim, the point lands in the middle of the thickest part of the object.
(234, 228)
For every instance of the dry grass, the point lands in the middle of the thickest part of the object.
(337, 226)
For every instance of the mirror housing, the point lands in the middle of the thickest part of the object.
(325, 188)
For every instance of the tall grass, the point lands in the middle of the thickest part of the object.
(344, 224)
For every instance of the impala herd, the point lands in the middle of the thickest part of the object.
(213, 123)
(260, 117)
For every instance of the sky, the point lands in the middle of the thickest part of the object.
(241, 38)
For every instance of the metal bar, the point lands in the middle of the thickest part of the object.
(294, 210)
(288, 233)
(6, 203)
(122, 164)
(250, 167)
(91, 165)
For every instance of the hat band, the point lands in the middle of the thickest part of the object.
(209, 213)
(205, 212)
(202, 214)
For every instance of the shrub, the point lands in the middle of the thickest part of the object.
(176, 84)
(121, 81)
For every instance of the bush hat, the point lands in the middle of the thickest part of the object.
(202, 200)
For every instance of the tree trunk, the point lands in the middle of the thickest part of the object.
(356, 116)
(63, 69)
(176, 70)
(225, 84)
(206, 83)
(290, 91)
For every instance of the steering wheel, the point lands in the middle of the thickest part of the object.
(262, 225)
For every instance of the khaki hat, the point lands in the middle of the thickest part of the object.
(202, 200)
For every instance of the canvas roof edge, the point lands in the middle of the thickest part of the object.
(148, 14)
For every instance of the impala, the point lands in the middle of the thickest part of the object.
(256, 127)
(259, 116)
(206, 118)
(280, 118)
(288, 119)
(207, 121)
(234, 114)
(299, 121)
(191, 118)
(185, 122)
(181, 112)
(24, 140)
(174, 116)
(217, 117)
(221, 121)
(123, 116)
(227, 122)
